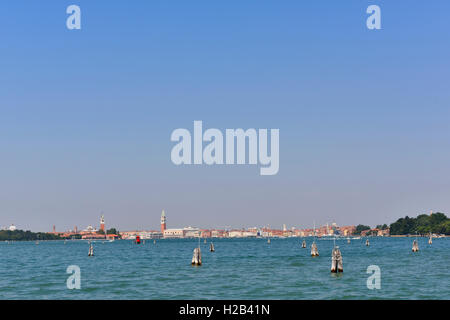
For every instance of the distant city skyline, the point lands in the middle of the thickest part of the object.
(86, 115)
(103, 225)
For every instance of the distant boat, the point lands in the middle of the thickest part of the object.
(367, 242)
(430, 240)
(304, 244)
(211, 247)
(137, 240)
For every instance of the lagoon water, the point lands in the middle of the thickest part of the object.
(239, 269)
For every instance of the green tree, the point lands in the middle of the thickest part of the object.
(422, 224)
(360, 228)
(112, 231)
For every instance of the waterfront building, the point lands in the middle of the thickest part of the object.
(93, 236)
(235, 233)
(173, 233)
(218, 233)
(190, 232)
(205, 233)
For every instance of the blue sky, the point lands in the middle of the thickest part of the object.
(86, 115)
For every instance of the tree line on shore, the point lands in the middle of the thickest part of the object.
(437, 223)
(20, 235)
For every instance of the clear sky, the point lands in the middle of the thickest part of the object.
(86, 115)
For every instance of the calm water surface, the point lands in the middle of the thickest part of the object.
(239, 269)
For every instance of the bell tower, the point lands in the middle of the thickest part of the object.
(102, 223)
(163, 222)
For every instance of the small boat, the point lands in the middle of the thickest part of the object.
(211, 247)
(138, 240)
(91, 250)
(367, 242)
(304, 244)
(430, 240)
(336, 260)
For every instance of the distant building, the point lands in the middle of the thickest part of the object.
(173, 233)
(163, 222)
(89, 228)
(190, 232)
(102, 223)
(218, 233)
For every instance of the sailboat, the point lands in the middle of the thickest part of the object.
(211, 247)
(197, 256)
(367, 242)
(430, 240)
(314, 250)
(304, 244)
